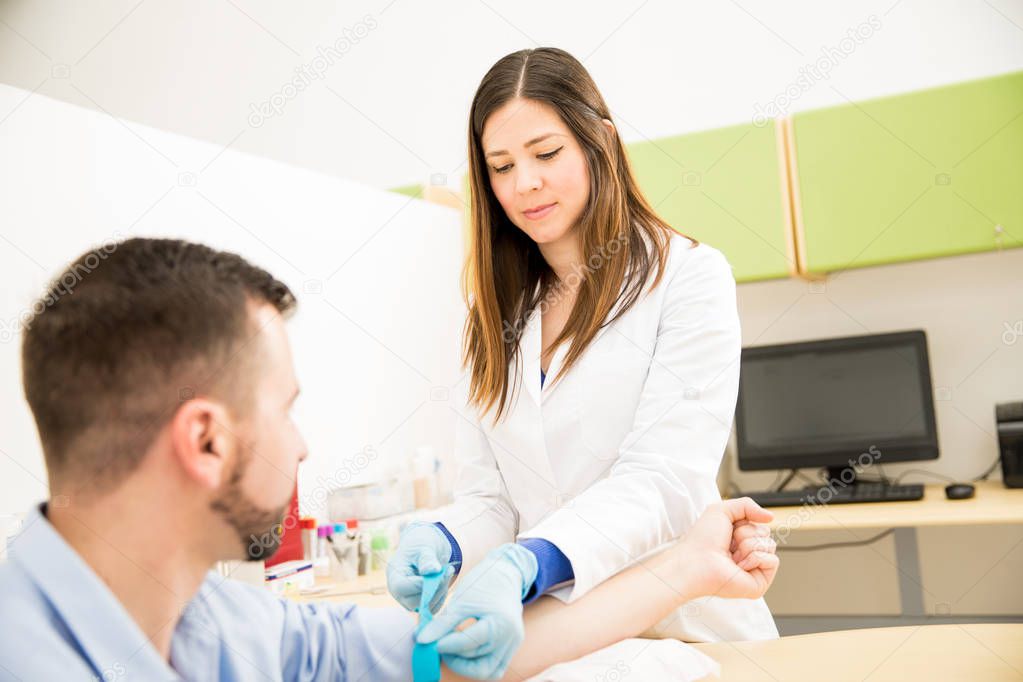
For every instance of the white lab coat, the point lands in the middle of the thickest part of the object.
(618, 457)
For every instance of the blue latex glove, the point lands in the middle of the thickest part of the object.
(492, 593)
(422, 548)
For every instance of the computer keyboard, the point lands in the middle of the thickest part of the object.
(838, 494)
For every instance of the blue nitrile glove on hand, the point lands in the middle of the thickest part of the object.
(422, 549)
(492, 593)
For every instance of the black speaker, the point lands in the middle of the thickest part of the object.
(1009, 420)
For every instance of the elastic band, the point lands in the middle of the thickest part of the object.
(425, 659)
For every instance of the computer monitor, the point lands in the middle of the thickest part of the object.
(827, 403)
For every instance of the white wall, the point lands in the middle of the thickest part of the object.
(376, 273)
(392, 108)
(971, 308)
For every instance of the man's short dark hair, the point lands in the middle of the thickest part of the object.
(126, 334)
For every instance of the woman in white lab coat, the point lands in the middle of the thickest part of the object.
(603, 355)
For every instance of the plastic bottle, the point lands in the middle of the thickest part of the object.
(424, 482)
(364, 553)
(321, 564)
(381, 547)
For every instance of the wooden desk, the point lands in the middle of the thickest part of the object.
(993, 503)
(365, 590)
(977, 653)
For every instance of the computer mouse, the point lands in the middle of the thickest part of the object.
(959, 491)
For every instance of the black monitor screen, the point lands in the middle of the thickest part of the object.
(821, 403)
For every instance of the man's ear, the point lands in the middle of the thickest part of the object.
(202, 443)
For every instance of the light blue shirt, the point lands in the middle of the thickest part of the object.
(58, 620)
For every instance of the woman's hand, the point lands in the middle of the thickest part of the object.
(729, 551)
(422, 549)
(491, 594)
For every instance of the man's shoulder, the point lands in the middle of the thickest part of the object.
(21, 601)
(31, 625)
(225, 599)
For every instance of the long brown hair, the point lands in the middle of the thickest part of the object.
(506, 276)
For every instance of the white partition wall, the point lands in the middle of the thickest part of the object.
(376, 334)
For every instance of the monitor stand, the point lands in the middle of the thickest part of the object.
(841, 476)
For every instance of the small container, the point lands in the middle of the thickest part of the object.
(289, 577)
(308, 526)
(346, 554)
(381, 547)
(364, 553)
(368, 501)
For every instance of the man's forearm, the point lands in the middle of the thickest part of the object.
(636, 599)
(623, 606)
(727, 553)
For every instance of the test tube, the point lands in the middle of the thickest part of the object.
(308, 526)
(321, 564)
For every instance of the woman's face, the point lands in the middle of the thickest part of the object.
(537, 169)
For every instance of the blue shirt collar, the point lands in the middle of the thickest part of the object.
(106, 634)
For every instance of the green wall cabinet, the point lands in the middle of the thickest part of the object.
(725, 187)
(922, 175)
